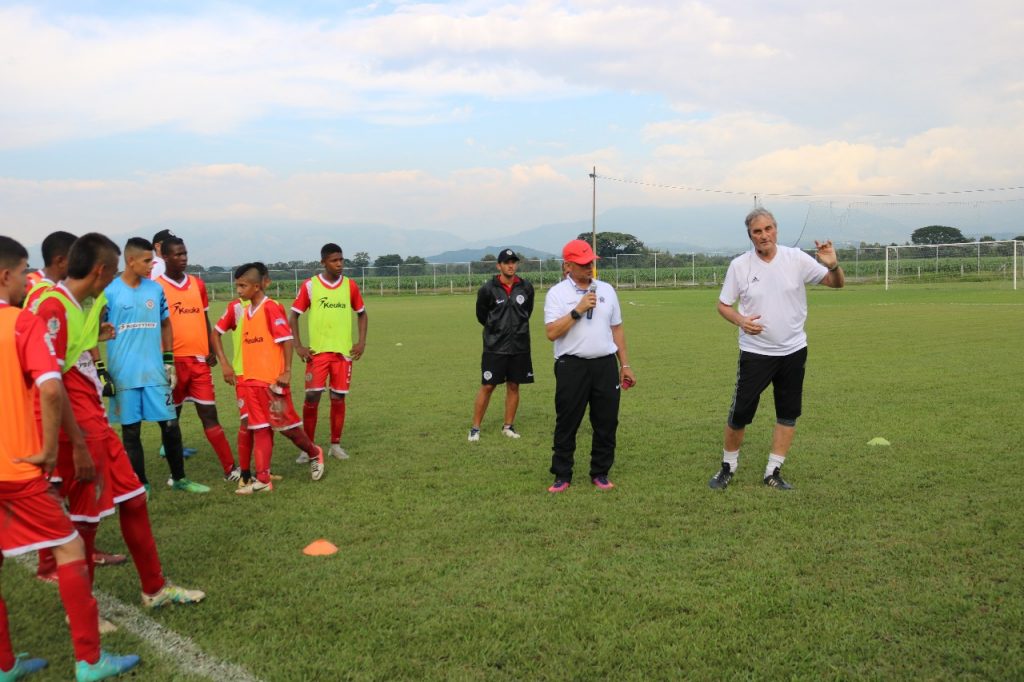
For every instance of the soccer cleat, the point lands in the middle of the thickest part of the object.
(234, 475)
(509, 432)
(602, 483)
(104, 559)
(108, 665)
(242, 481)
(721, 479)
(275, 477)
(316, 465)
(104, 625)
(49, 577)
(559, 486)
(185, 452)
(254, 486)
(338, 451)
(775, 481)
(303, 458)
(188, 486)
(172, 594)
(23, 666)
(474, 435)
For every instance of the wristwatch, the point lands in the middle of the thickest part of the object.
(575, 314)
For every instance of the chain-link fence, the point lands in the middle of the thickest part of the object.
(861, 264)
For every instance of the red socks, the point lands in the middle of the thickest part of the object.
(244, 447)
(309, 413)
(301, 440)
(138, 535)
(337, 419)
(83, 614)
(6, 653)
(88, 532)
(215, 434)
(264, 446)
(47, 564)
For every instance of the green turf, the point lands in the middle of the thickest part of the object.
(454, 563)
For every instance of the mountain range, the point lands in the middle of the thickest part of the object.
(702, 229)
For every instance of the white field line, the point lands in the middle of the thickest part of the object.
(178, 650)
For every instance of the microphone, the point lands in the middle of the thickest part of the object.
(593, 290)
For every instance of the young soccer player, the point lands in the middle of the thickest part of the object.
(266, 349)
(233, 317)
(33, 517)
(55, 266)
(331, 300)
(72, 332)
(141, 360)
(190, 323)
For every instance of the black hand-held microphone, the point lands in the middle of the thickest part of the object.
(593, 290)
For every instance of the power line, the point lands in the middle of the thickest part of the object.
(804, 196)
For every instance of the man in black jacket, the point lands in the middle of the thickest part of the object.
(503, 307)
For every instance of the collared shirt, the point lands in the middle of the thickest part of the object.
(587, 338)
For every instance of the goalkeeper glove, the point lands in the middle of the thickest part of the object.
(108, 381)
(169, 372)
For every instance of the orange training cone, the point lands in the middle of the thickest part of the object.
(320, 548)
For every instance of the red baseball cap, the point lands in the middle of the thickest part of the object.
(579, 252)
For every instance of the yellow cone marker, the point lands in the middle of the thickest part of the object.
(320, 548)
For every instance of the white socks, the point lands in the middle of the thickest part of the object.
(732, 459)
(774, 461)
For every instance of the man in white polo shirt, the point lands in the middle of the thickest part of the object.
(770, 284)
(583, 318)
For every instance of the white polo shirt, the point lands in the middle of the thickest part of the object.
(777, 292)
(586, 338)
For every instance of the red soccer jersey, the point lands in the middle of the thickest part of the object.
(27, 361)
(304, 298)
(80, 381)
(264, 329)
(187, 304)
(31, 279)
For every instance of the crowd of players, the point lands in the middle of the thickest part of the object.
(62, 466)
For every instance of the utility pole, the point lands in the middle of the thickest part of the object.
(593, 217)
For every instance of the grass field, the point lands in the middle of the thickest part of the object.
(454, 563)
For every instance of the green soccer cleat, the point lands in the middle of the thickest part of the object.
(108, 665)
(172, 594)
(189, 486)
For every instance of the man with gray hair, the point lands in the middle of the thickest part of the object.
(770, 284)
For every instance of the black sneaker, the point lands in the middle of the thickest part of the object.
(721, 479)
(775, 481)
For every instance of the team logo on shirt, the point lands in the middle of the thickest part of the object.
(179, 309)
(150, 304)
(279, 322)
(324, 303)
(520, 299)
(53, 325)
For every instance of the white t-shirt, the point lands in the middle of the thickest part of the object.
(586, 338)
(777, 292)
(159, 267)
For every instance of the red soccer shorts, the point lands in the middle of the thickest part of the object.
(329, 365)
(268, 409)
(243, 409)
(195, 383)
(115, 480)
(33, 518)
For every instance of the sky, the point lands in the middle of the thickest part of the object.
(484, 117)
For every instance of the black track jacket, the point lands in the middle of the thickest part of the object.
(505, 317)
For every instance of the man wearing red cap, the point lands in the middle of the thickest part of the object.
(582, 316)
